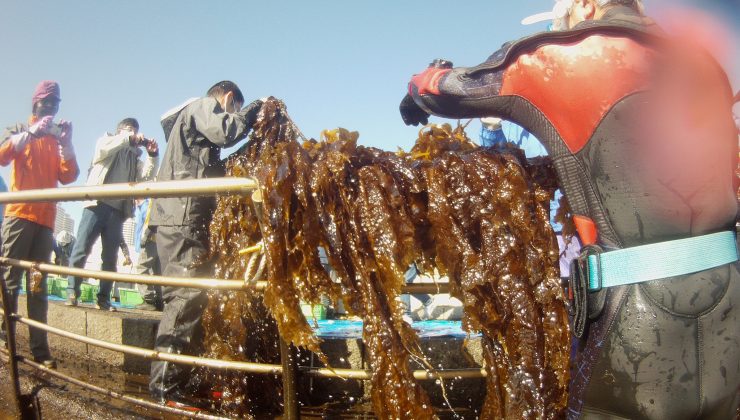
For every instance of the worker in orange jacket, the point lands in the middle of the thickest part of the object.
(42, 155)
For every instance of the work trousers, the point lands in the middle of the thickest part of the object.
(180, 329)
(26, 240)
(148, 263)
(104, 222)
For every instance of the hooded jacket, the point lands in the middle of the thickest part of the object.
(115, 151)
(41, 163)
(195, 134)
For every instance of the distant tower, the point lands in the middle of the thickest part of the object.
(63, 221)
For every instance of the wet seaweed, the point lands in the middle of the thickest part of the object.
(479, 216)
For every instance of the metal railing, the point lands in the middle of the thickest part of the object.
(109, 393)
(158, 189)
(191, 282)
(288, 367)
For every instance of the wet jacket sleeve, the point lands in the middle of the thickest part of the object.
(461, 92)
(222, 128)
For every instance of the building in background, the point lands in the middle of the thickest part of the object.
(63, 221)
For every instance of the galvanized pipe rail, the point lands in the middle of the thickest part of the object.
(250, 367)
(110, 393)
(199, 187)
(153, 354)
(157, 189)
(191, 282)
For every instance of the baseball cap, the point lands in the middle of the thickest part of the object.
(45, 89)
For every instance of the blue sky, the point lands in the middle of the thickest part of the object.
(334, 63)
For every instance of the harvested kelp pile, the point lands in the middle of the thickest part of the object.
(477, 215)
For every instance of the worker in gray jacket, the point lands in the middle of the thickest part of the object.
(195, 132)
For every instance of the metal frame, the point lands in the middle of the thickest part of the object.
(238, 366)
(211, 186)
(191, 282)
(109, 392)
(155, 189)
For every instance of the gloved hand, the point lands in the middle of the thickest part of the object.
(412, 113)
(41, 127)
(136, 140)
(65, 138)
(152, 148)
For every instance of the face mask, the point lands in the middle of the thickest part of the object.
(233, 107)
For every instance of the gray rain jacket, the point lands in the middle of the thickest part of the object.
(195, 132)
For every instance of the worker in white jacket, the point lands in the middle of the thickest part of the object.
(116, 160)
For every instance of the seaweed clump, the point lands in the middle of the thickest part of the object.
(477, 215)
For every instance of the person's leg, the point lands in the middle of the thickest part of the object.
(148, 263)
(37, 301)
(16, 244)
(145, 265)
(180, 329)
(110, 238)
(87, 233)
(157, 271)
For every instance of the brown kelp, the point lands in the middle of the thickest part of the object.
(477, 215)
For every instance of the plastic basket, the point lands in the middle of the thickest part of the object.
(313, 311)
(87, 292)
(56, 286)
(60, 288)
(130, 297)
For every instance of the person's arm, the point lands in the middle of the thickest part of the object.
(222, 128)
(107, 145)
(147, 169)
(126, 254)
(15, 138)
(459, 92)
(68, 169)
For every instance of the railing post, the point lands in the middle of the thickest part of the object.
(25, 404)
(289, 360)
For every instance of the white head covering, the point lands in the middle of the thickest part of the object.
(64, 237)
(559, 13)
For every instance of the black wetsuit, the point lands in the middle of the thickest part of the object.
(642, 136)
